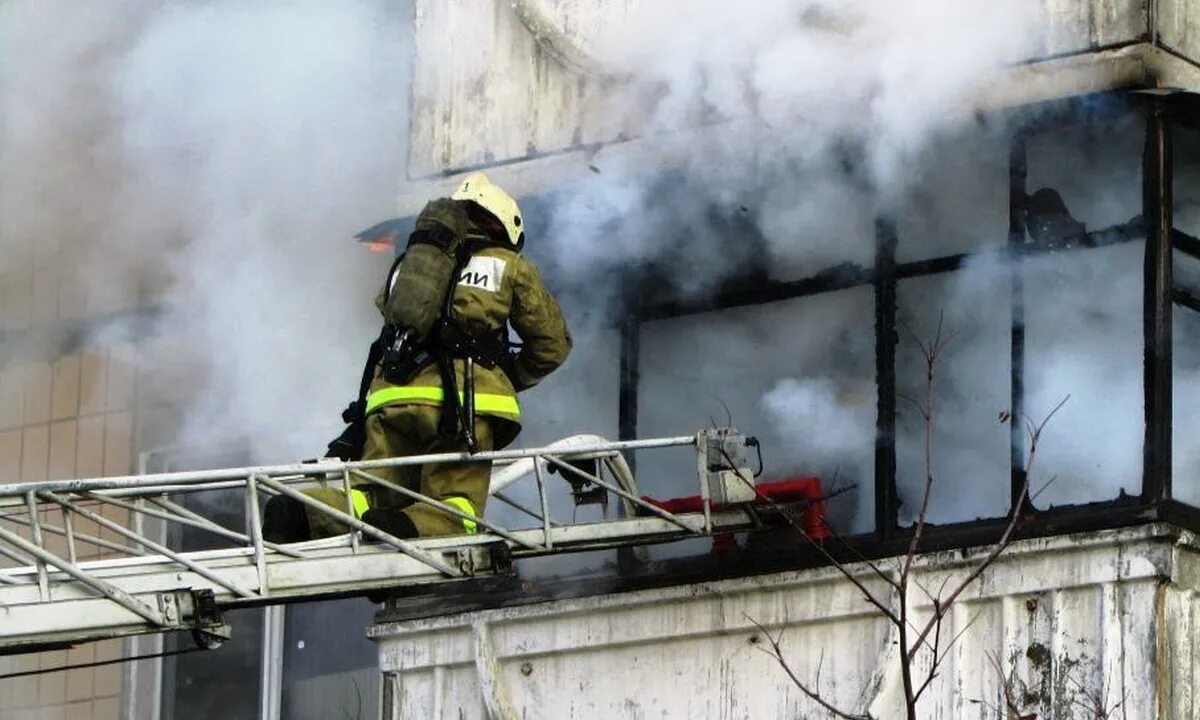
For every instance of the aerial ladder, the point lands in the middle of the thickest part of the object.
(51, 598)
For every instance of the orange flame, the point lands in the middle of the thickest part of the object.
(379, 246)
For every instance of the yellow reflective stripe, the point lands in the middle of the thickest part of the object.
(484, 402)
(462, 504)
(361, 504)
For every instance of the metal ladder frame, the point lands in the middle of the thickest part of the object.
(53, 598)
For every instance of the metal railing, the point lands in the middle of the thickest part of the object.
(145, 582)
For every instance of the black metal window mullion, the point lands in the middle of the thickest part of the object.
(1156, 224)
(887, 500)
(1017, 173)
(1157, 198)
(630, 376)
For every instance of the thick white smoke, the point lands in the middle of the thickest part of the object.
(802, 120)
(1083, 338)
(803, 405)
(60, 164)
(215, 158)
(815, 117)
(275, 132)
(815, 112)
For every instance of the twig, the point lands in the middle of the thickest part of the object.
(910, 399)
(1097, 705)
(776, 652)
(859, 556)
(940, 656)
(1006, 537)
(899, 584)
(795, 525)
(1010, 704)
(932, 353)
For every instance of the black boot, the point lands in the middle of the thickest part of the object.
(285, 520)
(392, 521)
(395, 522)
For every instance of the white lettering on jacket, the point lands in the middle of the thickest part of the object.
(483, 273)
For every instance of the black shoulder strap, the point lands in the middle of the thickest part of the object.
(451, 418)
(390, 282)
(375, 353)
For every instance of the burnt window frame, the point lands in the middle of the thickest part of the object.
(1162, 110)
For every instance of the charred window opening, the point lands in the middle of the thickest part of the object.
(1064, 299)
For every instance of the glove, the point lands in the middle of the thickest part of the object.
(349, 446)
(508, 364)
(355, 412)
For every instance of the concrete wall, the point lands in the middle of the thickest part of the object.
(485, 91)
(73, 403)
(1057, 622)
(1178, 27)
(490, 92)
(61, 415)
(489, 88)
(1076, 26)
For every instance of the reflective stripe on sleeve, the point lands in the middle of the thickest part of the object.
(484, 402)
(462, 504)
(361, 503)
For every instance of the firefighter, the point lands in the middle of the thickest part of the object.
(496, 288)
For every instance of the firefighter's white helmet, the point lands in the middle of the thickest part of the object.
(491, 197)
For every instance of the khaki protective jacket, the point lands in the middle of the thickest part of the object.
(497, 286)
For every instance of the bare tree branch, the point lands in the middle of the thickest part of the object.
(913, 401)
(1006, 538)
(860, 557)
(776, 652)
(1013, 710)
(932, 353)
(788, 516)
(929, 634)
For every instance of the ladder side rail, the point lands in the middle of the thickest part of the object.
(200, 524)
(35, 532)
(543, 498)
(159, 548)
(668, 516)
(176, 513)
(255, 521)
(274, 472)
(235, 570)
(170, 489)
(108, 590)
(279, 480)
(81, 537)
(611, 461)
(178, 509)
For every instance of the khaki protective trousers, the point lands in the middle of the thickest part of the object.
(403, 430)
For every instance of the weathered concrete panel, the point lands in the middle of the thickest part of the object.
(1178, 26)
(1119, 21)
(485, 91)
(1058, 622)
(1080, 25)
(489, 86)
